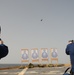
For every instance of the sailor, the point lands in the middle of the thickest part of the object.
(70, 51)
(3, 49)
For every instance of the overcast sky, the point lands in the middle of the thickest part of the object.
(22, 28)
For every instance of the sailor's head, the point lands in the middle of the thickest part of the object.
(71, 41)
(1, 42)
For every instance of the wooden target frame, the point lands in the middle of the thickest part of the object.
(53, 58)
(47, 57)
(25, 55)
(34, 55)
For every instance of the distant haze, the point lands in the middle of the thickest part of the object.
(21, 26)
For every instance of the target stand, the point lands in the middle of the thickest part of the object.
(54, 56)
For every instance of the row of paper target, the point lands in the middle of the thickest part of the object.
(35, 54)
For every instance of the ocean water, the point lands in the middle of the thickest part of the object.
(10, 65)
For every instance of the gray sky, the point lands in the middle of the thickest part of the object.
(22, 28)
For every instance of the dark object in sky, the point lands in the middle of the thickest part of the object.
(41, 19)
(3, 50)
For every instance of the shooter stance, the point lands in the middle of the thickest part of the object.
(70, 51)
(3, 50)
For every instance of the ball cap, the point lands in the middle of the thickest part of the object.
(71, 41)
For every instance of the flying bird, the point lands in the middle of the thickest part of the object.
(41, 19)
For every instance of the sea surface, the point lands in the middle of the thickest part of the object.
(10, 65)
